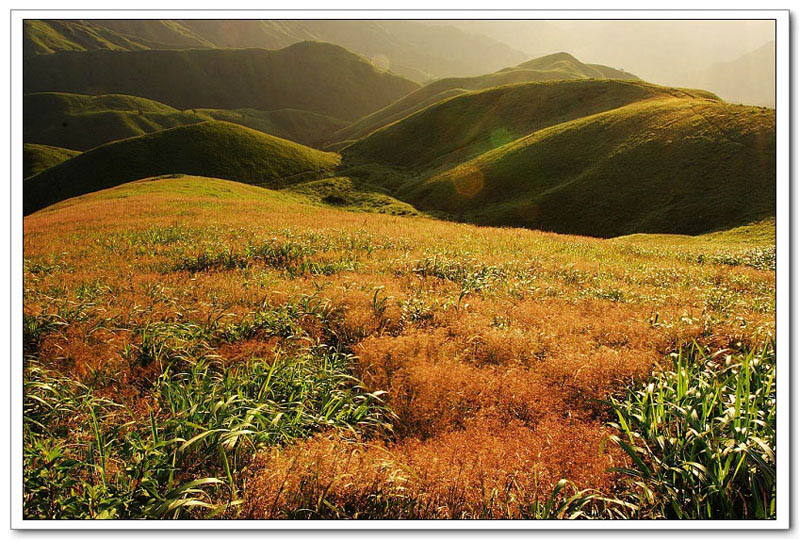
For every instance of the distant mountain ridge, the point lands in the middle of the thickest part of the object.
(412, 49)
(748, 79)
(312, 76)
(559, 66)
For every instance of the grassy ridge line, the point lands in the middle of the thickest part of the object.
(660, 166)
(215, 149)
(559, 66)
(84, 122)
(37, 158)
(49, 36)
(464, 126)
(318, 77)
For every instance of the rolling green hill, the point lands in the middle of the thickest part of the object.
(461, 127)
(558, 66)
(311, 76)
(37, 158)
(84, 122)
(671, 165)
(213, 149)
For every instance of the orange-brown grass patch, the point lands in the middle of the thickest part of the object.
(490, 469)
(495, 346)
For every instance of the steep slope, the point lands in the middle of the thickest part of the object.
(318, 77)
(672, 165)
(214, 149)
(84, 122)
(461, 127)
(36, 158)
(558, 66)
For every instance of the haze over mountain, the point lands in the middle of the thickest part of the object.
(667, 52)
(729, 81)
(412, 49)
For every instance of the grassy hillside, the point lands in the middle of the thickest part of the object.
(673, 165)
(558, 66)
(48, 36)
(84, 122)
(318, 77)
(469, 124)
(388, 367)
(304, 127)
(36, 158)
(215, 149)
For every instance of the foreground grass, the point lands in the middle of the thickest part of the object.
(701, 436)
(415, 368)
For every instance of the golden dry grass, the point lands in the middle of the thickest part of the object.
(494, 345)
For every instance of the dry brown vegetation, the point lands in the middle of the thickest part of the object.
(495, 346)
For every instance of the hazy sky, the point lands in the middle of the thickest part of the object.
(662, 51)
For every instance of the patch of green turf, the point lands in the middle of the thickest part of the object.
(312, 76)
(37, 158)
(344, 193)
(212, 149)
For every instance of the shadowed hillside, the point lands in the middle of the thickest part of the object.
(318, 77)
(37, 158)
(558, 66)
(674, 165)
(84, 122)
(214, 149)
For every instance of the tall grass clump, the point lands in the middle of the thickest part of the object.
(86, 456)
(701, 436)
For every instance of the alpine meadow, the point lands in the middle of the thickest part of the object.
(314, 269)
